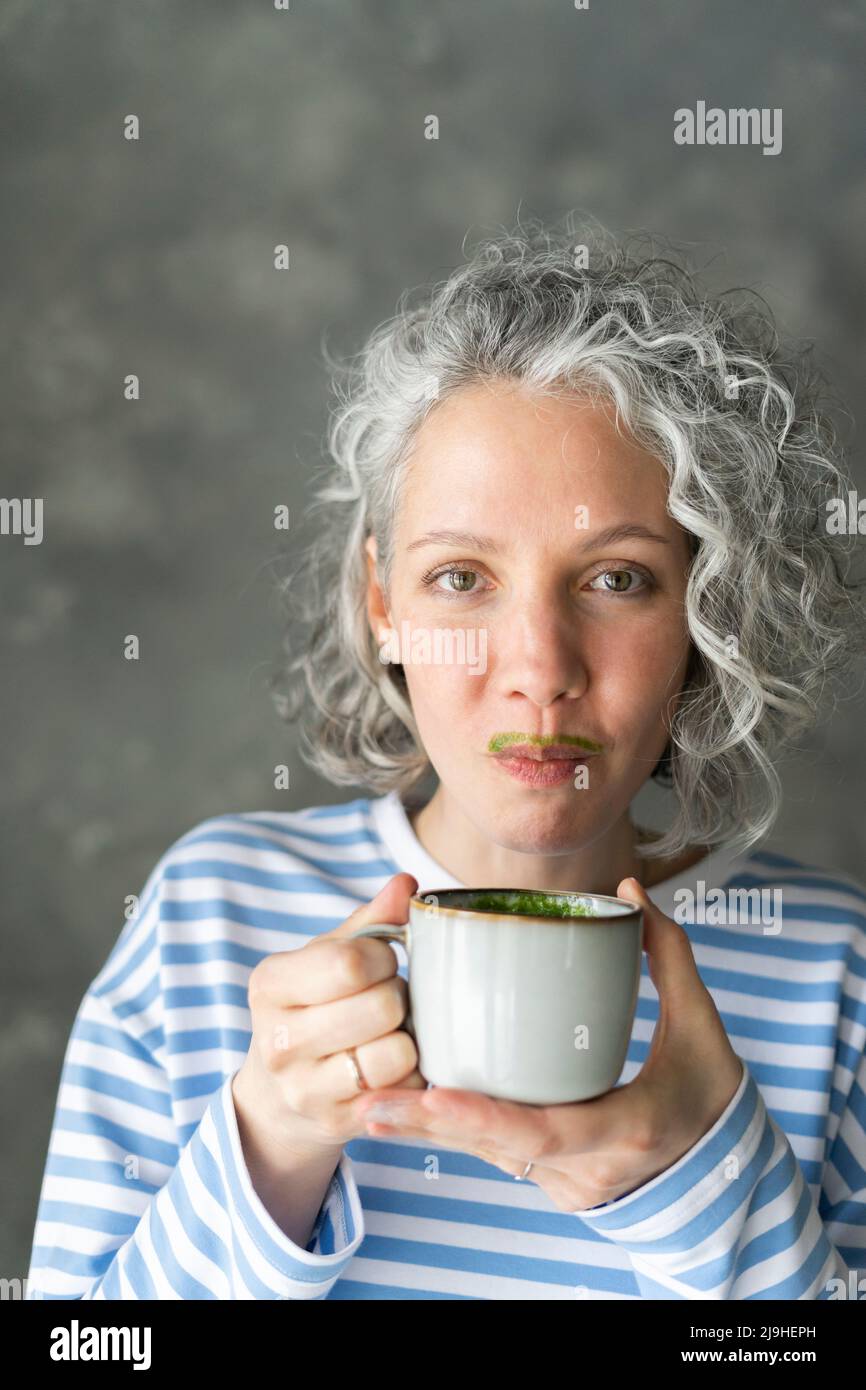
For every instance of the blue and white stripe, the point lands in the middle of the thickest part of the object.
(146, 1195)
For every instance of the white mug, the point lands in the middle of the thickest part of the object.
(517, 1005)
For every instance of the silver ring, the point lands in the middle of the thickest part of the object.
(356, 1070)
(525, 1173)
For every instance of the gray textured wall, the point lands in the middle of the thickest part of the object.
(156, 257)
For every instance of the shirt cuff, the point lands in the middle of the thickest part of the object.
(701, 1190)
(337, 1232)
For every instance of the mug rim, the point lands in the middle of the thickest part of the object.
(635, 910)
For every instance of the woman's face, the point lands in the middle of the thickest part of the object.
(545, 627)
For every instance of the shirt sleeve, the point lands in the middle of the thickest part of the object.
(133, 1207)
(734, 1219)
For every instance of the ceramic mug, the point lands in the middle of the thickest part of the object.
(520, 1005)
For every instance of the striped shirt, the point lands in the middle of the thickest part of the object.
(146, 1195)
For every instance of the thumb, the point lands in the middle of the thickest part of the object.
(390, 905)
(669, 952)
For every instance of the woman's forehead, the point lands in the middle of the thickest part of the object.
(510, 426)
(480, 451)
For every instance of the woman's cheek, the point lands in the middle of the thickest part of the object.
(443, 689)
(444, 702)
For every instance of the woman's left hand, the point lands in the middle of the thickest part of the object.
(593, 1151)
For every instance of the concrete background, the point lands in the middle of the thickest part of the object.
(261, 127)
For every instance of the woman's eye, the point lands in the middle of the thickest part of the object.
(466, 581)
(463, 581)
(623, 581)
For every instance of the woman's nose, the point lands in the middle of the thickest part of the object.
(536, 652)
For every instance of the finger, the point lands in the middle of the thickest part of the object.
(462, 1119)
(454, 1144)
(332, 967)
(363, 959)
(388, 1061)
(315, 1088)
(391, 904)
(670, 958)
(539, 1132)
(351, 1021)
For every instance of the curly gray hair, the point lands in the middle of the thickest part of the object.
(751, 471)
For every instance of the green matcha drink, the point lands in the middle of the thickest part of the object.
(531, 904)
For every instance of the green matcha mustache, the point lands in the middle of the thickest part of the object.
(500, 741)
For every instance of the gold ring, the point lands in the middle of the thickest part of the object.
(356, 1070)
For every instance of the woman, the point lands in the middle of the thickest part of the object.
(608, 492)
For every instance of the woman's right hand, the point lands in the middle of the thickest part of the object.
(295, 1088)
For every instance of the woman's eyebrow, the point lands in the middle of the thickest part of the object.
(632, 530)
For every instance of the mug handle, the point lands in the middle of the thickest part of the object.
(387, 931)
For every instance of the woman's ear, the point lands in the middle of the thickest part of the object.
(377, 610)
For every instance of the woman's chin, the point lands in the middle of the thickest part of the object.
(552, 828)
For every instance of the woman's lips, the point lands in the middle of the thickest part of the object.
(549, 770)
